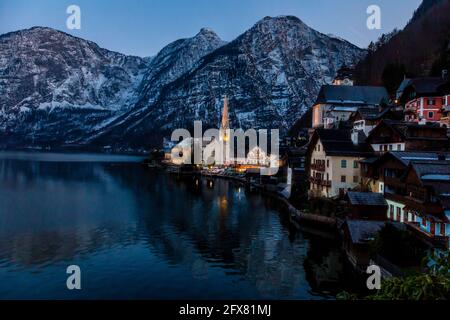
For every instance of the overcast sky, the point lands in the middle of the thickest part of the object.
(143, 27)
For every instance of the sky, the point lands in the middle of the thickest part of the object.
(143, 27)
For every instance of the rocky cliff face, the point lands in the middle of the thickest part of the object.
(57, 89)
(53, 86)
(271, 74)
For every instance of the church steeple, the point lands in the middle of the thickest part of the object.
(225, 125)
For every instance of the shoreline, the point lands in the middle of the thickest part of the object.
(295, 215)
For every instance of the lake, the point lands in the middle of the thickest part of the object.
(140, 234)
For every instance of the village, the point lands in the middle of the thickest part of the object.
(373, 167)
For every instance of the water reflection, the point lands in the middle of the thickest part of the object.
(151, 235)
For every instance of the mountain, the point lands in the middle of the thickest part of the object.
(54, 86)
(271, 74)
(175, 60)
(60, 90)
(420, 49)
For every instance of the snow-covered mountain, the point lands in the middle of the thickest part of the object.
(271, 74)
(56, 89)
(53, 86)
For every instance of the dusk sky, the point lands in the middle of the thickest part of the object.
(143, 27)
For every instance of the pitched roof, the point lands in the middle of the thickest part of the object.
(406, 129)
(361, 95)
(407, 156)
(339, 143)
(362, 231)
(432, 170)
(366, 198)
(422, 86)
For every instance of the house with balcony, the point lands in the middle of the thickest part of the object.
(333, 162)
(336, 103)
(427, 201)
(384, 175)
(366, 119)
(423, 98)
(390, 135)
(445, 114)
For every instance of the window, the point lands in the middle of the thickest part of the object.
(391, 147)
(343, 179)
(355, 179)
(399, 147)
(381, 148)
(424, 222)
(431, 115)
(431, 102)
(343, 163)
(355, 164)
(328, 163)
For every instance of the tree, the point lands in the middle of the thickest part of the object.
(393, 75)
(432, 285)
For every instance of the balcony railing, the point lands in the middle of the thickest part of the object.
(442, 241)
(318, 167)
(320, 182)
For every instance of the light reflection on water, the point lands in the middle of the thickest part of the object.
(140, 234)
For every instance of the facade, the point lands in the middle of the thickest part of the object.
(333, 163)
(385, 174)
(366, 119)
(424, 98)
(428, 201)
(336, 103)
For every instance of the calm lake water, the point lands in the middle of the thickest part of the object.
(138, 234)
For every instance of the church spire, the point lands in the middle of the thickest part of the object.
(225, 120)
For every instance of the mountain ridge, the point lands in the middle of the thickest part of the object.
(270, 72)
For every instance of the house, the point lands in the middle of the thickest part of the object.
(423, 98)
(344, 76)
(384, 175)
(367, 118)
(366, 206)
(333, 162)
(428, 201)
(390, 135)
(357, 235)
(335, 104)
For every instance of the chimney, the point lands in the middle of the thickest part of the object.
(355, 137)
